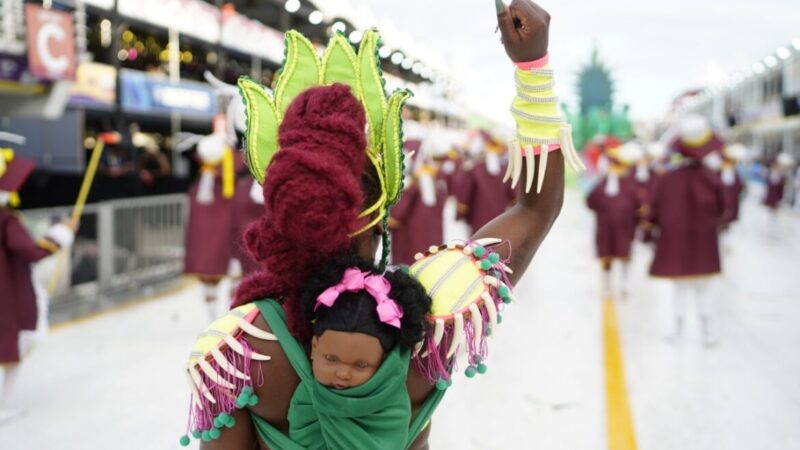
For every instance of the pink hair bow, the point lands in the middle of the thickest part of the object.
(354, 280)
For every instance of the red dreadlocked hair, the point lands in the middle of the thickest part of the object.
(313, 197)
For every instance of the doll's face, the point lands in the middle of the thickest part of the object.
(343, 360)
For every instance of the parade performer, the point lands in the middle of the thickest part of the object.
(416, 222)
(776, 181)
(480, 190)
(646, 179)
(247, 203)
(732, 184)
(688, 208)
(208, 251)
(328, 149)
(617, 203)
(18, 251)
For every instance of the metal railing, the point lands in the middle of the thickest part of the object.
(122, 246)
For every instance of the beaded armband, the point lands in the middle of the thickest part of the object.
(468, 285)
(540, 127)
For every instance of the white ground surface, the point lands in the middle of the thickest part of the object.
(115, 381)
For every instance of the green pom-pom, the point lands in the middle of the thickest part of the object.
(242, 400)
(499, 319)
(196, 434)
(214, 433)
(404, 268)
(482, 368)
(247, 390)
(230, 422)
(486, 264)
(217, 422)
(470, 372)
(503, 292)
(205, 436)
(185, 440)
(478, 251)
(507, 300)
(494, 258)
(253, 400)
(441, 384)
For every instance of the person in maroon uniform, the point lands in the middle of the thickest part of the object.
(208, 247)
(687, 209)
(247, 206)
(646, 178)
(616, 203)
(776, 182)
(732, 184)
(416, 221)
(479, 190)
(18, 251)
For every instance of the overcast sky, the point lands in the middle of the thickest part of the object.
(656, 49)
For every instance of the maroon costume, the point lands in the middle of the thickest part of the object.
(687, 207)
(18, 310)
(774, 191)
(482, 196)
(616, 218)
(732, 195)
(414, 225)
(644, 190)
(245, 211)
(208, 250)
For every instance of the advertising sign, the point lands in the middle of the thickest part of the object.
(146, 93)
(51, 43)
(95, 86)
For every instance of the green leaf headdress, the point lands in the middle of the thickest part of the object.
(303, 69)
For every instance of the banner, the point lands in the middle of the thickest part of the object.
(95, 86)
(145, 93)
(51, 43)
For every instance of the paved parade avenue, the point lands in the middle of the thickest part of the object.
(115, 381)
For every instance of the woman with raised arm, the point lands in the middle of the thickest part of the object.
(322, 351)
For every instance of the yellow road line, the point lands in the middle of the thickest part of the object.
(621, 435)
(184, 284)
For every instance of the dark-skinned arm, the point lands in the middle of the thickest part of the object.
(524, 26)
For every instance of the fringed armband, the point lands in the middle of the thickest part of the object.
(219, 373)
(469, 286)
(540, 127)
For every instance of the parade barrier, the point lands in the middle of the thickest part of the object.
(124, 248)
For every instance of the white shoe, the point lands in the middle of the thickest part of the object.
(8, 415)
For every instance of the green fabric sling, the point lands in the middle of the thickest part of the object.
(374, 415)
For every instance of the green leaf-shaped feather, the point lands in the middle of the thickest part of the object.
(301, 70)
(370, 82)
(393, 146)
(261, 135)
(339, 63)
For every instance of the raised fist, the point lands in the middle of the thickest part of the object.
(524, 26)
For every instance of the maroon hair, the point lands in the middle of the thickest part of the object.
(313, 197)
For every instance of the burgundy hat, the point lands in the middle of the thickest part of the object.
(17, 171)
(714, 143)
(696, 138)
